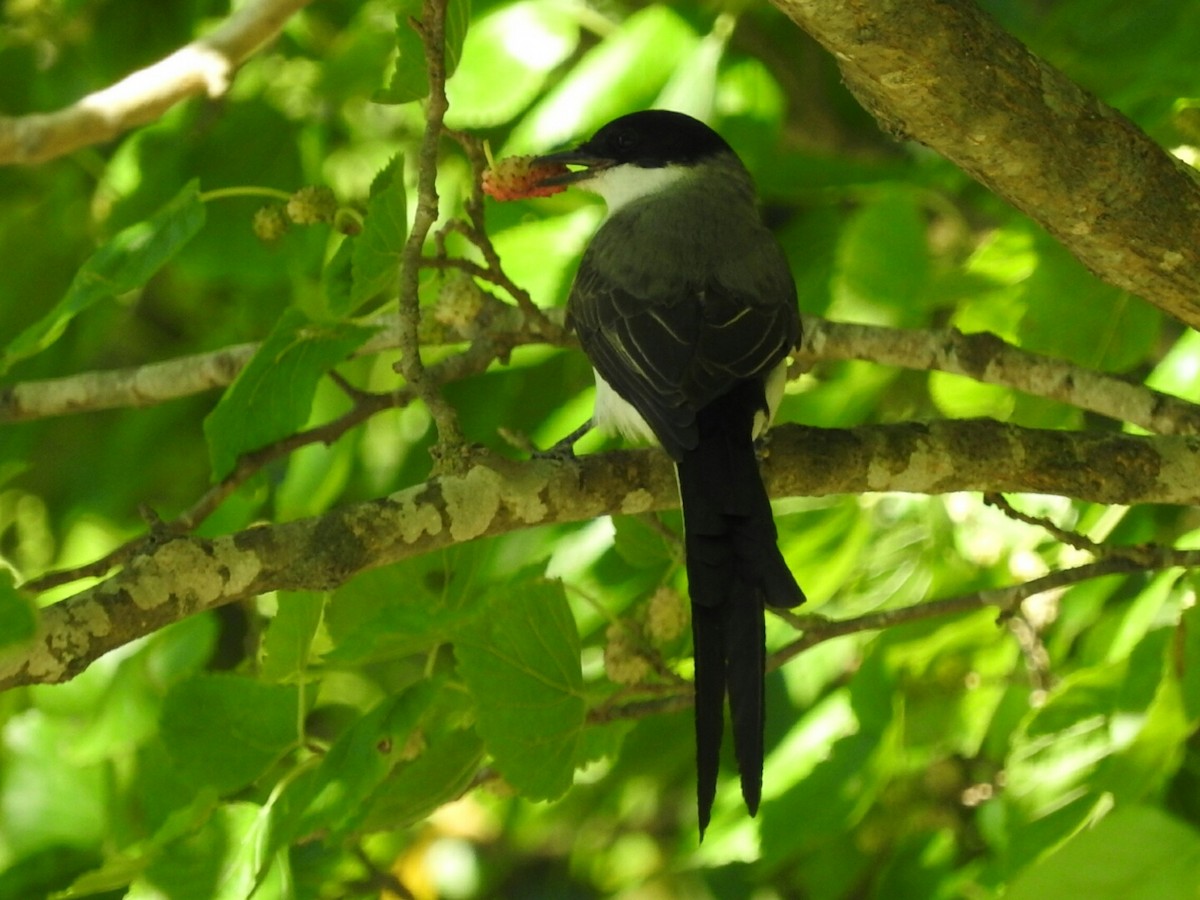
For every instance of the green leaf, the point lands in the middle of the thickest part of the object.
(409, 608)
(440, 774)
(625, 71)
(458, 21)
(219, 861)
(410, 78)
(882, 269)
(224, 730)
(18, 615)
(337, 280)
(288, 641)
(1134, 853)
(121, 870)
(375, 256)
(507, 57)
(124, 262)
(359, 761)
(640, 545)
(959, 397)
(1186, 660)
(521, 663)
(692, 87)
(1175, 372)
(45, 870)
(272, 395)
(1116, 330)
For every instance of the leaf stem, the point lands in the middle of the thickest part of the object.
(245, 190)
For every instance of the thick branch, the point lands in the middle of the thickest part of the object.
(187, 574)
(202, 67)
(946, 74)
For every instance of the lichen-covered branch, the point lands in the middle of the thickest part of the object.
(204, 66)
(179, 576)
(986, 358)
(944, 73)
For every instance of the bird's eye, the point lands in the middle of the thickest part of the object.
(626, 140)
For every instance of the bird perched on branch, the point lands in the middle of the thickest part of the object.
(686, 307)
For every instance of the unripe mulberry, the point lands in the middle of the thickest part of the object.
(622, 662)
(270, 223)
(312, 204)
(666, 615)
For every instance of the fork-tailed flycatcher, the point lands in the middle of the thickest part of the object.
(686, 307)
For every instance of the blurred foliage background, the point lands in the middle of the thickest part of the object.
(350, 743)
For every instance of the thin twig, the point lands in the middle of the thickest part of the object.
(1033, 651)
(248, 465)
(1142, 555)
(476, 232)
(431, 29)
(818, 629)
(475, 359)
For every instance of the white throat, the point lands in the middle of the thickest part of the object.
(620, 185)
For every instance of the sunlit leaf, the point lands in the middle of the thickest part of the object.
(441, 773)
(410, 80)
(508, 55)
(624, 72)
(339, 794)
(288, 640)
(1134, 853)
(882, 266)
(1118, 333)
(375, 257)
(219, 861)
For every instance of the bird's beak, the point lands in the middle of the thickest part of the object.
(591, 164)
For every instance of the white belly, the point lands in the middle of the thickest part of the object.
(615, 415)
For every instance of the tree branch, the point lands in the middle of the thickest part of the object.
(983, 357)
(202, 67)
(154, 383)
(474, 360)
(818, 629)
(180, 576)
(945, 73)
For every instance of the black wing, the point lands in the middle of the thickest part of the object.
(670, 349)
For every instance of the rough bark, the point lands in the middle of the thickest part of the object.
(945, 73)
(176, 578)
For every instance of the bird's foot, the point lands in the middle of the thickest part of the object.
(564, 450)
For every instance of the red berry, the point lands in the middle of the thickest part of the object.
(517, 177)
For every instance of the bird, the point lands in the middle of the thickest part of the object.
(686, 307)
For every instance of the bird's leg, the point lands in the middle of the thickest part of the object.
(565, 449)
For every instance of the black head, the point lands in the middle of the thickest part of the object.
(650, 139)
(655, 138)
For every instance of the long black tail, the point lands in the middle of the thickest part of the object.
(734, 568)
